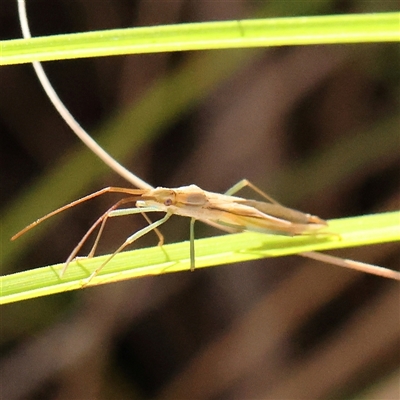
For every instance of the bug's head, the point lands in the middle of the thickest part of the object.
(159, 198)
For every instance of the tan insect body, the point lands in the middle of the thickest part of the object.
(237, 213)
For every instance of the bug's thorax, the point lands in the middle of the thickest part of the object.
(187, 201)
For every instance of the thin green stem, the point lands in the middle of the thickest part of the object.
(352, 28)
(226, 249)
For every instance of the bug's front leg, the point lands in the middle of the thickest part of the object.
(130, 240)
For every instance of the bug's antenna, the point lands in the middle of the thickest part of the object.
(67, 116)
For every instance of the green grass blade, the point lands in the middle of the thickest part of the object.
(226, 249)
(352, 28)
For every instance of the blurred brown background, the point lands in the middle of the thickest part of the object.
(316, 127)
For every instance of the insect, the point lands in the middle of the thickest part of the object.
(225, 211)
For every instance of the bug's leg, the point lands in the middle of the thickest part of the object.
(130, 240)
(156, 230)
(290, 213)
(342, 262)
(98, 236)
(143, 211)
(243, 183)
(192, 249)
(111, 212)
(106, 215)
(101, 220)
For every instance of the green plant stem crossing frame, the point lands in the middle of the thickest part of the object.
(352, 28)
(225, 249)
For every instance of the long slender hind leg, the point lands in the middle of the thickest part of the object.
(329, 259)
(244, 183)
(234, 189)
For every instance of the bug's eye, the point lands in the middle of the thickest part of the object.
(168, 202)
